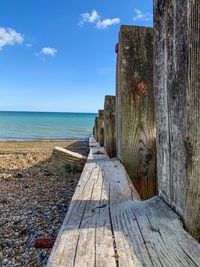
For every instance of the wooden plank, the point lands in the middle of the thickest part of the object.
(177, 96)
(84, 233)
(135, 108)
(64, 161)
(153, 234)
(100, 122)
(147, 233)
(109, 126)
(108, 225)
(95, 247)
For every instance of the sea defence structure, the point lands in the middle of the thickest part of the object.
(135, 129)
(107, 224)
(177, 96)
(100, 127)
(109, 125)
(127, 211)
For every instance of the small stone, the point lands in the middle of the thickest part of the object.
(5, 261)
(5, 200)
(47, 173)
(25, 256)
(42, 256)
(19, 175)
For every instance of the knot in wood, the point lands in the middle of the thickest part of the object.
(140, 87)
(117, 48)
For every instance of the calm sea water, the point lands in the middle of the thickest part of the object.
(45, 125)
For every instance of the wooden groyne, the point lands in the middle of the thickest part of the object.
(139, 204)
(108, 225)
(109, 126)
(158, 120)
(135, 108)
(177, 96)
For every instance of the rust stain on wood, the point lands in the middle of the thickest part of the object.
(140, 87)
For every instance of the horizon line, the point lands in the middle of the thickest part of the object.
(32, 111)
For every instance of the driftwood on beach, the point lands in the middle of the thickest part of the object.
(65, 161)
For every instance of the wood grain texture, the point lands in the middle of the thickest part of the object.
(118, 118)
(177, 96)
(109, 126)
(65, 161)
(96, 128)
(135, 108)
(107, 224)
(101, 127)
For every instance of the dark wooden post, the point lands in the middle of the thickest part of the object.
(109, 126)
(93, 131)
(101, 127)
(96, 129)
(177, 94)
(135, 108)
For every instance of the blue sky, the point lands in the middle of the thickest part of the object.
(59, 55)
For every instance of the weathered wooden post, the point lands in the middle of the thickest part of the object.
(93, 131)
(135, 108)
(177, 94)
(109, 125)
(96, 128)
(101, 127)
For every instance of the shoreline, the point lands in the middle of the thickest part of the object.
(44, 140)
(33, 126)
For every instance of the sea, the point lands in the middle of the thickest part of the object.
(22, 126)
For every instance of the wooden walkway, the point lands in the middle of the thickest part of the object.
(108, 225)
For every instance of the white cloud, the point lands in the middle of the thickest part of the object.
(140, 15)
(87, 17)
(107, 22)
(48, 51)
(9, 36)
(95, 18)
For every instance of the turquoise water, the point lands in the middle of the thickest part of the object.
(45, 125)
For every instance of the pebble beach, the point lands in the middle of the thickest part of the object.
(33, 201)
